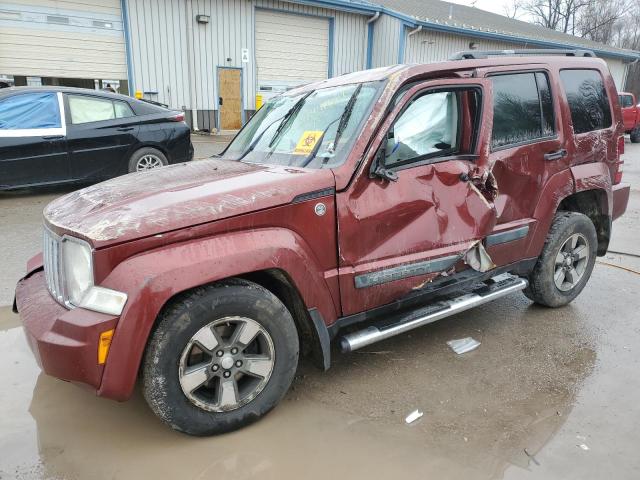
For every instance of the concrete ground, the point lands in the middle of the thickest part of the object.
(549, 394)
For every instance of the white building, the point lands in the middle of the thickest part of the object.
(217, 59)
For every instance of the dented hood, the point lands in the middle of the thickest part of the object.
(178, 196)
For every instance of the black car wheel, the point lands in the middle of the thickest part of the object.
(635, 135)
(147, 159)
(221, 357)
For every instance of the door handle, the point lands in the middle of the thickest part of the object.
(557, 155)
(220, 102)
(53, 137)
(125, 129)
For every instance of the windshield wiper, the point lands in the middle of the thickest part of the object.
(344, 121)
(285, 119)
(253, 144)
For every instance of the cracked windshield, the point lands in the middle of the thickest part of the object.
(311, 129)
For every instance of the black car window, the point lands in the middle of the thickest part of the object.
(87, 109)
(587, 100)
(522, 108)
(30, 111)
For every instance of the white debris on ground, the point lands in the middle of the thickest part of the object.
(463, 345)
(413, 416)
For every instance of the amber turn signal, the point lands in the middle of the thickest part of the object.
(103, 346)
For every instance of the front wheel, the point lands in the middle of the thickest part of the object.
(566, 261)
(635, 135)
(220, 358)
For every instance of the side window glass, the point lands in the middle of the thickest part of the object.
(626, 101)
(85, 109)
(30, 111)
(122, 109)
(520, 113)
(427, 128)
(587, 100)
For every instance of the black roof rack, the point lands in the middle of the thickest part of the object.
(480, 54)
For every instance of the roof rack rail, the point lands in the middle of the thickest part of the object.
(480, 54)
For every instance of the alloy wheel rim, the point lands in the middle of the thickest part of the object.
(571, 262)
(148, 162)
(226, 364)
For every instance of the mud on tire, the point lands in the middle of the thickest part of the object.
(543, 288)
(184, 328)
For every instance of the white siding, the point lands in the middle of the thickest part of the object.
(429, 46)
(386, 41)
(159, 29)
(617, 69)
(72, 39)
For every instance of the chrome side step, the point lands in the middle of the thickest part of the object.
(494, 288)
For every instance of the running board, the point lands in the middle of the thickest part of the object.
(494, 288)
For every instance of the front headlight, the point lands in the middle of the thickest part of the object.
(78, 268)
(78, 277)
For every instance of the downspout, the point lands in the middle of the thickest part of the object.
(415, 30)
(370, 23)
(191, 66)
(127, 45)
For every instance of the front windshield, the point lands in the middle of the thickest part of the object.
(313, 129)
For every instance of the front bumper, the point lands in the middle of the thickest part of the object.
(620, 199)
(64, 342)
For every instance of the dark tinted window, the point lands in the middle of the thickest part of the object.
(587, 99)
(625, 101)
(522, 108)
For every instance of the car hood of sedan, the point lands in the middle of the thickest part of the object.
(178, 196)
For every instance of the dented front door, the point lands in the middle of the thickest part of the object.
(395, 236)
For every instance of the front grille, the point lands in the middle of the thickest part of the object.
(52, 259)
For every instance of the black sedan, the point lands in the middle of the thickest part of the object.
(53, 135)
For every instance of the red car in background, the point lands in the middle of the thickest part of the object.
(630, 115)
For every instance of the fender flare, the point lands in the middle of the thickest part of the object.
(152, 278)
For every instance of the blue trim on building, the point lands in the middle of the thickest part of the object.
(331, 47)
(370, 45)
(127, 46)
(402, 42)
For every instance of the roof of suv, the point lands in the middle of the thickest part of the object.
(416, 70)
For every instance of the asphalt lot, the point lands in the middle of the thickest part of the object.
(549, 394)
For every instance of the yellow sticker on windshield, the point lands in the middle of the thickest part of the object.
(307, 142)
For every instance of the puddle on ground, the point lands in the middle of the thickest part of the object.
(481, 410)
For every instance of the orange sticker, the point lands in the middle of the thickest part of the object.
(307, 142)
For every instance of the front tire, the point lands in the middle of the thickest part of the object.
(221, 357)
(635, 135)
(566, 261)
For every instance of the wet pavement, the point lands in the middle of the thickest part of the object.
(549, 394)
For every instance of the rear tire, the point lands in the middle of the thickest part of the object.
(566, 261)
(147, 158)
(635, 135)
(221, 357)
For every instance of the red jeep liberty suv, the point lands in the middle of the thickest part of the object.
(344, 212)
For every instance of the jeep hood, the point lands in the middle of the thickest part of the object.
(178, 196)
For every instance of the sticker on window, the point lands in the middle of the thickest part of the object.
(307, 142)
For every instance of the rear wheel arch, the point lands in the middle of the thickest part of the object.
(593, 204)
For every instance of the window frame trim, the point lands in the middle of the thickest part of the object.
(40, 132)
(566, 99)
(445, 155)
(544, 138)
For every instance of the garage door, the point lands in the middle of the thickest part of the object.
(290, 49)
(70, 38)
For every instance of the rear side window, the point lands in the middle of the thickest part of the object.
(625, 101)
(30, 111)
(587, 100)
(86, 109)
(522, 108)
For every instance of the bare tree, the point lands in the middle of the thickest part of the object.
(603, 20)
(555, 14)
